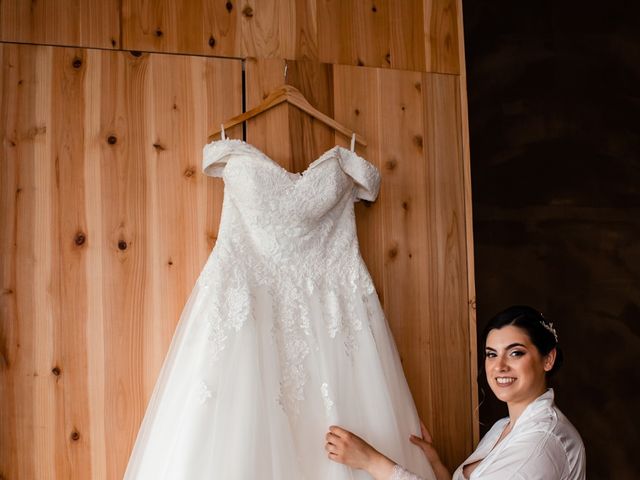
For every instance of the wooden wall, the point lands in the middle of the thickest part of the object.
(420, 35)
(108, 220)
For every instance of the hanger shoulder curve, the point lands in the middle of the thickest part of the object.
(290, 94)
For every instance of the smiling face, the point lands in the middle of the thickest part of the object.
(515, 368)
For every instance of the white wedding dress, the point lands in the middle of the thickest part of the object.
(282, 336)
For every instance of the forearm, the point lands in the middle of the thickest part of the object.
(380, 467)
(442, 473)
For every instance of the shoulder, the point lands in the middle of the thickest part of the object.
(546, 442)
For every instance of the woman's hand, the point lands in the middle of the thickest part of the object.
(344, 447)
(426, 445)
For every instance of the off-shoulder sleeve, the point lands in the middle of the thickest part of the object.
(365, 175)
(215, 156)
(400, 473)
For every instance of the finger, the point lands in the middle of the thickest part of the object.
(338, 431)
(331, 436)
(425, 433)
(417, 441)
(334, 457)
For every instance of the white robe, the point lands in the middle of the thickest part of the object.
(543, 445)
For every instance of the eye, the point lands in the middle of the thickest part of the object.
(516, 353)
(489, 354)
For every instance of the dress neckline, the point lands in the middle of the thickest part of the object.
(293, 176)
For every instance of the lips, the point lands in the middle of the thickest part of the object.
(505, 381)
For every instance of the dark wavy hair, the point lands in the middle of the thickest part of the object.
(533, 323)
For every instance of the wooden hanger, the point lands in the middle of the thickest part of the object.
(290, 94)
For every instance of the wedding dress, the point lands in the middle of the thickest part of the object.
(282, 336)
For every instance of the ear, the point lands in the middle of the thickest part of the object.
(549, 359)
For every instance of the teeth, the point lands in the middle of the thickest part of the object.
(505, 380)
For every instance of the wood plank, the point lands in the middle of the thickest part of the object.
(279, 28)
(209, 28)
(354, 33)
(111, 222)
(442, 36)
(24, 268)
(407, 262)
(268, 131)
(69, 236)
(446, 288)
(81, 23)
(466, 161)
(407, 35)
(308, 137)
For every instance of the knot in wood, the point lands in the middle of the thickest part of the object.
(112, 139)
(391, 164)
(75, 435)
(229, 6)
(212, 41)
(80, 238)
(247, 11)
(77, 62)
(56, 371)
(122, 245)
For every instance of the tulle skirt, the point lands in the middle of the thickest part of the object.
(225, 417)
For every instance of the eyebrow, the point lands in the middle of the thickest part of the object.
(509, 347)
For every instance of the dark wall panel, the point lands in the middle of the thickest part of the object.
(555, 142)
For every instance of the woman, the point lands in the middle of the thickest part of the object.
(536, 441)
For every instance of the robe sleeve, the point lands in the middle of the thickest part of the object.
(365, 176)
(536, 455)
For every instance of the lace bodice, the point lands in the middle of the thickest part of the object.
(293, 234)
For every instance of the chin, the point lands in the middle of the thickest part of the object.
(503, 394)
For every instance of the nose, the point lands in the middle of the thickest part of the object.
(500, 365)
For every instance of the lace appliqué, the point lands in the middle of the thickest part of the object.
(400, 473)
(203, 393)
(294, 237)
(328, 403)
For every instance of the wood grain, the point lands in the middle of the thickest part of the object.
(442, 34)
(446, 288)
(470, 249)
(81, 23)
(417, 35)
(103, 166)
